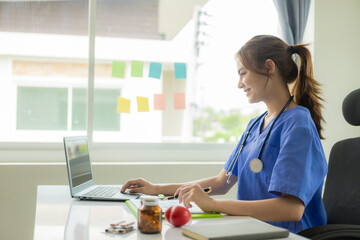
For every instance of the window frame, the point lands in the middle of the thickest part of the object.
(106, 152)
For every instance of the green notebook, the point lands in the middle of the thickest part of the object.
(134, 205)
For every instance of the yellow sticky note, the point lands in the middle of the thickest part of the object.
(123, 105)
(143, 104)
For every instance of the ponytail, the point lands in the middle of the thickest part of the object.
(306, 89)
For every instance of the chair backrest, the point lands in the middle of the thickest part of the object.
(342, 187)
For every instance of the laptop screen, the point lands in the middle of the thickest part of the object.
(79, 160)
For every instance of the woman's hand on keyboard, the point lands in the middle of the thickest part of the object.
(139, 185)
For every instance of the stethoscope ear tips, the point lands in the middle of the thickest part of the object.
(228, 174)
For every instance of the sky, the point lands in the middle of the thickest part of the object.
(232, 23)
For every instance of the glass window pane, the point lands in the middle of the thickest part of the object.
(42, 108)
(79, 109)
(53, 37)
(105, 116)
(43, 53)
(206, 42)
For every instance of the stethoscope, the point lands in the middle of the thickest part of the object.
(255, 164)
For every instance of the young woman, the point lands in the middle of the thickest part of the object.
(279, 163)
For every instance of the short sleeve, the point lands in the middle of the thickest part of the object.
(301, 165)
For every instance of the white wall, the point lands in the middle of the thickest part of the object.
(336, 60)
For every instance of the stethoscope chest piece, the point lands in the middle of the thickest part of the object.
(256, 165)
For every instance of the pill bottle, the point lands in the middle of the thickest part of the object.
(141, 204)
(150, 215)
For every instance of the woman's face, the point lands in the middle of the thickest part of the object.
(252, 83)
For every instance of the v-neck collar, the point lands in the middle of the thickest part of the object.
(261, 122)
(260, 131)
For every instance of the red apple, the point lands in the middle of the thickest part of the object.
(167, 213)
(177, 215)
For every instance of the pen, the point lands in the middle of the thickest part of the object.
(207, 190)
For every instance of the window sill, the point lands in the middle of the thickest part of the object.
(120, 152)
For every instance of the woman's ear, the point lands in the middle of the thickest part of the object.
(270, 66)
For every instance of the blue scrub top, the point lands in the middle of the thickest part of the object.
(293, 163)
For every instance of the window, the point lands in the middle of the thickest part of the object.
(41, 108)
(106, 118)
(216, 111)
(44, 75)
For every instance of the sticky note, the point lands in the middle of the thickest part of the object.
(118, 69)
(137, 68)
(179, 100)
(142, 104)
(123, 105)
(180, 70)
(155, 70)
(159, 102)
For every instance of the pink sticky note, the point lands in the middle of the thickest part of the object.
(179, 100)
(159, 102)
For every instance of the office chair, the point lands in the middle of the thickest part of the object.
(342, 187)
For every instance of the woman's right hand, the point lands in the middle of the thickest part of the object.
(139, 185)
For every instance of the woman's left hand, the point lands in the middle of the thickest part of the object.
(195, 193)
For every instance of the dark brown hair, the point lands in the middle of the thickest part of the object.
(306, 89)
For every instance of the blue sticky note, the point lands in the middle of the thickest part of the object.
(180, 70)
(155, 70)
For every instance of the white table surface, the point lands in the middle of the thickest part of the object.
(58, 216)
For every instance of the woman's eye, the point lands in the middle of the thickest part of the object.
(242, 74)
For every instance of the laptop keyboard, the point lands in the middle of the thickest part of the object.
(103, 191)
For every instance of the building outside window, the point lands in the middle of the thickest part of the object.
(44, 69)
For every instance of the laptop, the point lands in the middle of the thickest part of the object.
(80, 174)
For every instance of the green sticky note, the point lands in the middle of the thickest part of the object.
(180, 70)
(118, 69)
(137, 68)
(155, 70)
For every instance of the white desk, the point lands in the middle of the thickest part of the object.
(58, 216)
